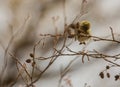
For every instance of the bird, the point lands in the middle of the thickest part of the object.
(82, 31)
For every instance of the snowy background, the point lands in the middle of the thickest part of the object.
(102, 14)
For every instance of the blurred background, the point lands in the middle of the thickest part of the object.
(22, 22)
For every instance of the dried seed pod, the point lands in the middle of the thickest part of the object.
(116, 77)
(108, 75)
(107, 67)
(101, 75)
(31, 55)
(33, 64)
(28, 60)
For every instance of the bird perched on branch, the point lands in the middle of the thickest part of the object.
(81, 31)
